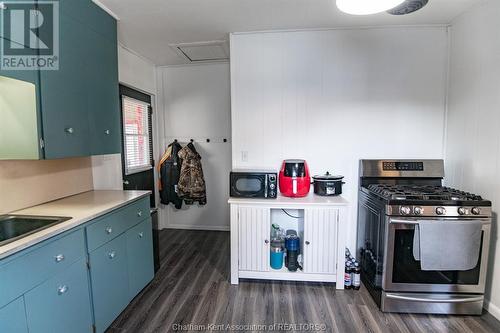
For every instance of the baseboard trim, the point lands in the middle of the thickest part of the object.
(197, 227)
(492, 309)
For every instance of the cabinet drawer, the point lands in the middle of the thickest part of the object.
(115, 223)
(62, 303)
(109, 277)
(36, 266)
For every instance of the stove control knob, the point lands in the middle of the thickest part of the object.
(405, 210)
(462, 211)
(419, 210)
(440, 211)
(476, 211)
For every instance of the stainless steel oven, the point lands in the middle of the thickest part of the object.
(391, 204)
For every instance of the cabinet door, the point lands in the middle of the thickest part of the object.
(13, 317)
(109, 277)
(254, 231)
(19, 111)
(102, 95)
(63, 95)
(61, 304)
(320, 241)
(140, 256)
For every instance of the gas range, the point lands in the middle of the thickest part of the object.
(395, 198)
(429, 200)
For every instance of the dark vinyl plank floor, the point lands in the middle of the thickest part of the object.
(192, 288)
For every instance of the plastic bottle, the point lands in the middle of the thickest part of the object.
(347, 276)
(356, 280)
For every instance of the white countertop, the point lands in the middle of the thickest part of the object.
(281, 201)
(81, 208)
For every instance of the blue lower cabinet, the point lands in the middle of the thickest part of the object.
(13, 317)
(109, 276)
(62, 303)
(140, 256)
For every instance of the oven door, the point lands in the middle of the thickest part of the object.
(403, 273)
(248, 185)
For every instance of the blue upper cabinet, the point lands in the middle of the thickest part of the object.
(77, 106)
(63, 96)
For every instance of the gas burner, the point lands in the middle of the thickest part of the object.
(421, 192)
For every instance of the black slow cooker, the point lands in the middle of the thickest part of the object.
(327, 184)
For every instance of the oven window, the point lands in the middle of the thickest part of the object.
(248, 185)
(407, 270)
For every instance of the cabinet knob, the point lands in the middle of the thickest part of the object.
(109, 230)
(69, 130)
(62, 289)
(112, 254)
(59, 257)
(139, 213)
(107, 132)
(307, 242)
(3, 6)
(141, 234)
(266, 241)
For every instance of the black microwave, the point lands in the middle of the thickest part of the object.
(253, 184)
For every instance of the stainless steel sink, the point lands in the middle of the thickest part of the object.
(14, 227)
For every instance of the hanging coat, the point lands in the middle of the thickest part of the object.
(191, 182)
(170, 170)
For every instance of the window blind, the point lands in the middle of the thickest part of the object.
(136, 131)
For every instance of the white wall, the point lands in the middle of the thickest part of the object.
(194, 102)
(336, 96)
(135, 72)
(473, 135)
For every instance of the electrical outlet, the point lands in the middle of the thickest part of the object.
(244, 156)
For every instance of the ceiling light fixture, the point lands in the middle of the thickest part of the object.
(367, 7)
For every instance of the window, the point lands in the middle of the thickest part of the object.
(136, 132)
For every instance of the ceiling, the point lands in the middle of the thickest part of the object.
(148, 26)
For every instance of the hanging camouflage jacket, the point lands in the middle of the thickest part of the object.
(191, 186)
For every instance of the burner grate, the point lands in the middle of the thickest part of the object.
(422, 192)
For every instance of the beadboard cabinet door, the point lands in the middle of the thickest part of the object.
(254, 232)
(320, 240)
(62, 303)
(140, 256)
(13, 317)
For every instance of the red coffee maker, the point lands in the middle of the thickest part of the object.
(294, 179)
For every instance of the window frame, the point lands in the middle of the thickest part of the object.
(131, 171)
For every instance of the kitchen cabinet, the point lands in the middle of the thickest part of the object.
(63, 96)
(140, 256)
(13, 317)
(254, 237)
(320, 223)
(19, 105)
(320, 241)
(102, 95)
(85, 276)
(109, 277)
(77, 106)
(62, 303)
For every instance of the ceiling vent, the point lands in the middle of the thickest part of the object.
(213, 51)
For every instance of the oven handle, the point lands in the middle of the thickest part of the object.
(435, 300)
(396, 221)
(414, 222)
